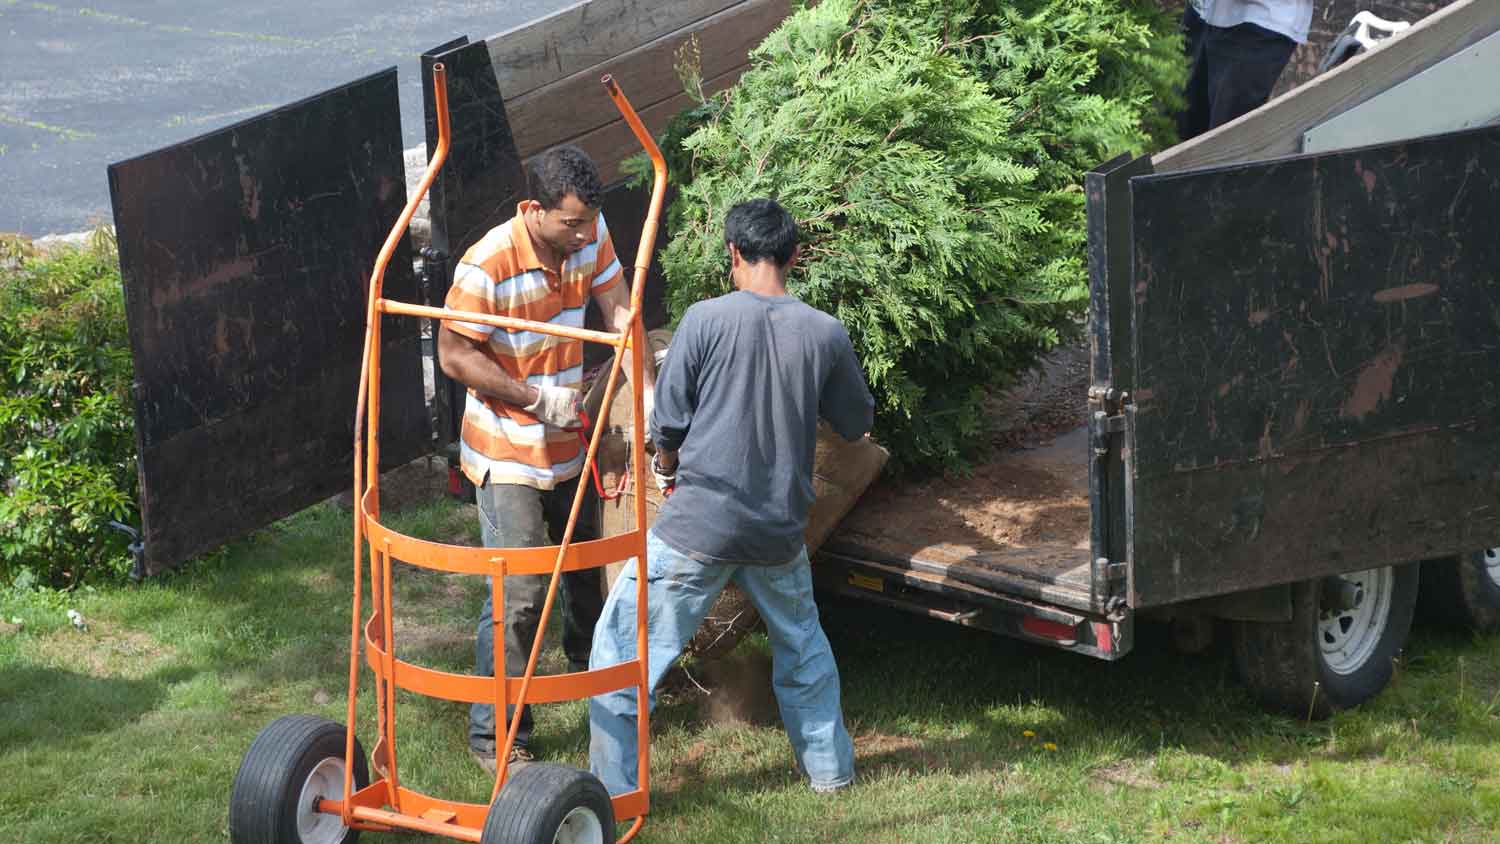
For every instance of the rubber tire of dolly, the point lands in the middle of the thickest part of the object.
(536, 799)
(263, 799)
(1459, 592)
(1283, 665)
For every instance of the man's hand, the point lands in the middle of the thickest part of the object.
(666, 478)
(557, 406)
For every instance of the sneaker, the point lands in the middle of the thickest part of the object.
(819, 788)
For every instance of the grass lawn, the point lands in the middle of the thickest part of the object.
(131, 731)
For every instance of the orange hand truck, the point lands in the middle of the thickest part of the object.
(304, 779)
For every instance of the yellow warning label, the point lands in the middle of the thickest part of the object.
(864, 581)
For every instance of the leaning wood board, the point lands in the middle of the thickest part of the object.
(549, 69)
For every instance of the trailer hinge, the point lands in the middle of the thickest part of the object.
(1113, 576)
(1111, 573)
(433, 274)
(1105, 425)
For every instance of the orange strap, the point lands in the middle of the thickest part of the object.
(594, 466)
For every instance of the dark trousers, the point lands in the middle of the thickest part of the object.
(1232, 71)
(514, 516)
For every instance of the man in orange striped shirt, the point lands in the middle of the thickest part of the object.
(545, 264)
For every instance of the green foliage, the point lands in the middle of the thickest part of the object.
(933, 154)
(67, 455)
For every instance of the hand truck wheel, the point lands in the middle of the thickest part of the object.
(295, 761)
(543, 803)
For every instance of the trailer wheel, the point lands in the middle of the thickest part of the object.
(293, 762)
(544, 803)
(1464, 590)
(1337, 650)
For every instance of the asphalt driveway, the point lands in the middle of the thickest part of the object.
(82, 86)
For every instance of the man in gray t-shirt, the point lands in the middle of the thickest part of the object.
(735, 425)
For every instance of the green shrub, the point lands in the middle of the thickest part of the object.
(67, 453)
(932, 152)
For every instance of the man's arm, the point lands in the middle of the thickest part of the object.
(463, 361)
(846, 402)
(677, 393)
(614, 307)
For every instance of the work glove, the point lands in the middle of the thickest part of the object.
(665, 481)
(557, 406)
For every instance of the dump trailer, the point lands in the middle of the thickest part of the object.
(1288, 420)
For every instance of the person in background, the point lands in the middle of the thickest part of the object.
(1236, 50)
(737, 406)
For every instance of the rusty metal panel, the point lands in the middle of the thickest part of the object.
(246, 254)
(1317, 350)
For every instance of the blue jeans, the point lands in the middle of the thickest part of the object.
(680, 591)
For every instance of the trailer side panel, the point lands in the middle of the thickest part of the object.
(1318, 344)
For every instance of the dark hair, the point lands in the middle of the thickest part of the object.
(563, 170)
(761, 229)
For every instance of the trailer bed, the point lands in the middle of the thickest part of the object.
(1019, 525)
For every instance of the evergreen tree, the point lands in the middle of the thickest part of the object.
(932, 153)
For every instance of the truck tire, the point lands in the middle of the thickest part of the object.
(1463, 591)
(294, 761)
(545, 803)
(1337, 650)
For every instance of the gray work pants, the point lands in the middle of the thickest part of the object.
(514, 516)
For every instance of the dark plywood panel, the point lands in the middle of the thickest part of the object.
(1111, 355)
(477, 189)
(1318, 346)
(1107, 187)
(1245, 525)
(482, 180)
(246, 255)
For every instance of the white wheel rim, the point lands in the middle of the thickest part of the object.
(1492, 564)
(580, 826)
(325, 780)
(1349, 636)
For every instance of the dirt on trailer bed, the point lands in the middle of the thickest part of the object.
(1023, 511)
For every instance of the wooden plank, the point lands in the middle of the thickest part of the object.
(576, 104)
(583, 35)
(1442, 98)
(1276, 128)
(612, 143)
